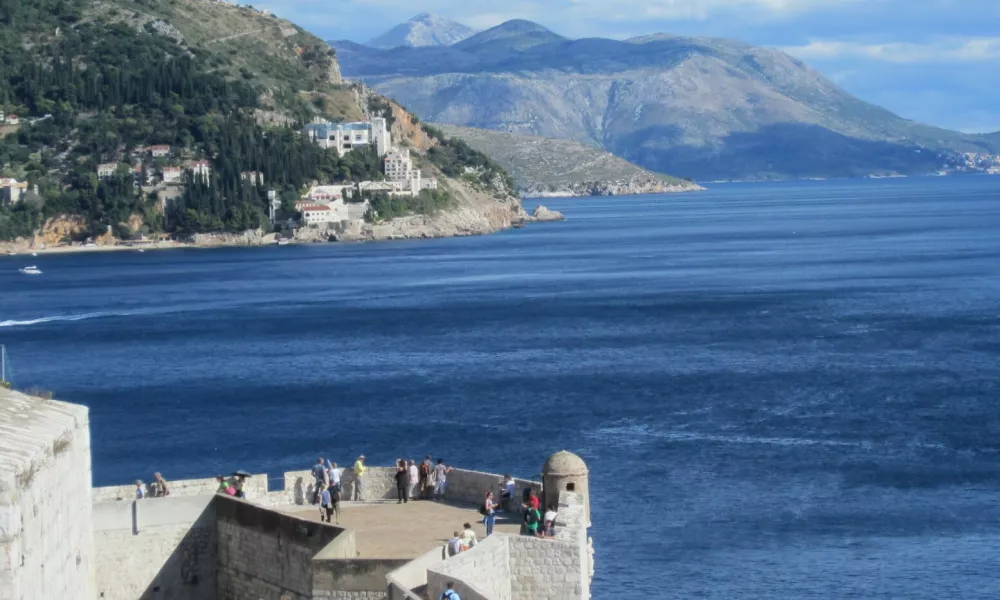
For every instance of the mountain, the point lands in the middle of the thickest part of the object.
(549, 167)
(703, 108)
(421, 31)
(225, 89)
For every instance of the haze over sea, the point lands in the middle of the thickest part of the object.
(782, 390)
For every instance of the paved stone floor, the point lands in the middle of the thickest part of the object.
(393, 530)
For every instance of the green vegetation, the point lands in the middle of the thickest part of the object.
(384, 207)
(457, 159)
(95, 81)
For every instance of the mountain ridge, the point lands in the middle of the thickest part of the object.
(706, 108)
(423, 30)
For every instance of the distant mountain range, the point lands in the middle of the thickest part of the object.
(704, 108)
(421, 31)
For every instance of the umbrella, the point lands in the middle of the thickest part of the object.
(242, 473)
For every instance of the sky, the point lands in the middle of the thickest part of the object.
(934, 61)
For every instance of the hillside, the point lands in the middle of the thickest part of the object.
(225, 89)
(421, 31)
(547, 167)
(695, 107)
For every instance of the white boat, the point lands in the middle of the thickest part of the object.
(32, 270)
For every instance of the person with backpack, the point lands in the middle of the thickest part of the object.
(450, 593)
(532, 520)
(402, 482)
(425, 478)
(489, 512)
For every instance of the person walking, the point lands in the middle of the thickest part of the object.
(319, 478)
(325, 506)
(334, 503)
(425, 478)
(449, 593)
(411, 468)
(359, 478)
(469, 539)
(440, 479)
(334, 475)
(489, 513)
(161, 486)
(402, 482)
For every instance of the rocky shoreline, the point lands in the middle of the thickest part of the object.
(624, 187)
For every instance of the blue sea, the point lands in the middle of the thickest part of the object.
(783, 391)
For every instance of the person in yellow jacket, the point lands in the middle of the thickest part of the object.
(359, 476)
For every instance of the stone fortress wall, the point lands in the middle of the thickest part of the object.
(197, 544)
(46, 546)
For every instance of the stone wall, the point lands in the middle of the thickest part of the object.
(471, 486)
(379, 484)
(46, 540)
(482, 572)
(266, 555)
(413, 574)
(163, 548)
(571, 527)
(357, 579)
(544, 569)
(254, 488)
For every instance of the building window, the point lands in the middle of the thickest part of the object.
(570, 487)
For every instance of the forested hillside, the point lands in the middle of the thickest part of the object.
(97, 82)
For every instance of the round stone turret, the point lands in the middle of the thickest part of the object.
(566, 472)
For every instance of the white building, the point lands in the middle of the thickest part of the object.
(255, 178)
(317, 214)
(159, 151)
(106, 170)
(200, 168)
(324, 194)
(171, 174)
(344, 137)
(399, 169)
(11, 191)
(12, 120)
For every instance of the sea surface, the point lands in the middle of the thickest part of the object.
(783, 391)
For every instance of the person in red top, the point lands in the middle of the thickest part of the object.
(534, 500)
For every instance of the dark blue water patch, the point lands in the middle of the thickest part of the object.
(783, 391)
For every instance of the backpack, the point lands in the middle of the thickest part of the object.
(482, 509)
(448, 595)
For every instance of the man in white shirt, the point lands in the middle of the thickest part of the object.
(440, 479)
(333, 474)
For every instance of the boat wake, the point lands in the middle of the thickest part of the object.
(60, 318)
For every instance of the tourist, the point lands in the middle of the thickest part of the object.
(319, 476)
(489, 511)
(325, 506)
(414, 473)
(455, 544)
(425, 478)
(359, 476)
(440, 479)
(333, 474)
(532, 520)
(140, 490)
(534, 500)
(468, 537)
(223, 484)
(335, 501)
(161, 488)
(507, 495)
(402, 482)
(237, 487)
(549, 520)
(449, 593)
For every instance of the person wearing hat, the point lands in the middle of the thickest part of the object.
(359, 476)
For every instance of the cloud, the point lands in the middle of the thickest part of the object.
(942, 51)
